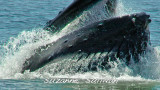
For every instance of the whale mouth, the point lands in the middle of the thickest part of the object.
(125, 38)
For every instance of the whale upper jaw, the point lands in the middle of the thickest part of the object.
(128, 41)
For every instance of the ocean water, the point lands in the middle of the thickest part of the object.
(21, 23)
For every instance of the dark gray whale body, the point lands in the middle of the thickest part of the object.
(121, 37)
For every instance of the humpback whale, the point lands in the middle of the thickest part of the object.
(82, 13)
(123, 37)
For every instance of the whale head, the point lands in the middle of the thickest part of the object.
(125, 38)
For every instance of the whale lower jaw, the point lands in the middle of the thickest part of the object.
(88, 12)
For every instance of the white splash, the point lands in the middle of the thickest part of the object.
(18, 49)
